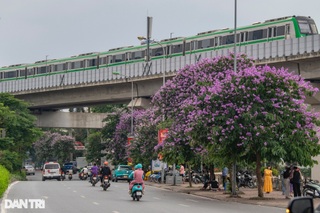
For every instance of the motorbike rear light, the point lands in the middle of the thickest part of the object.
(138, 187)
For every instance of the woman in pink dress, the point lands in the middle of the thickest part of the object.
(137, 176)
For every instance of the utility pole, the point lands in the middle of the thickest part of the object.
(149, 32)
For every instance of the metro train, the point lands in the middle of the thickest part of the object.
(269, 30)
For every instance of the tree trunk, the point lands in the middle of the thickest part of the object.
(233, 180)
(190, 176)
(258, 174)
(212, 175)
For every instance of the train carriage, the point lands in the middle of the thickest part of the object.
(261, 32)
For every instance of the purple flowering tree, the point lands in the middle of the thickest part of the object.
(118, 149)
(176, 99)
(142, 148)
(54, 146)
(255, 113)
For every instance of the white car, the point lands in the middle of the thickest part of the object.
(29, 170)
(51, 170)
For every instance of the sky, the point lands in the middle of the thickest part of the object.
(33, 30)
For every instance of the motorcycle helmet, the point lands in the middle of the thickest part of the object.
(138, 166)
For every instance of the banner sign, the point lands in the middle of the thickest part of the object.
(162, 135)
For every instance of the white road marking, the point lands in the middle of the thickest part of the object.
(95, 203)
(68, 187)
(83, 196)
(74, 191)
(156, 198)
(183, 205)
(115, 212)
(45, 197)
(192, 200)
(3, 210)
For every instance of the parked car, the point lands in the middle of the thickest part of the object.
(29, 170)
(51, 170)
(121, 172)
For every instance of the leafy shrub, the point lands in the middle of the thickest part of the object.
(4, 179)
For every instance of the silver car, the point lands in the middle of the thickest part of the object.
(29, 170)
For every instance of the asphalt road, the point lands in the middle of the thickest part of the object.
(79, 196)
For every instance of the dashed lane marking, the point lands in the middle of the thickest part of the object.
(83, 196)
(156, 198)
(183, 205)
(192, 200)
(95, 203)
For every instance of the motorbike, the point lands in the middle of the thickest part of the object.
(311, 188)
(94, 180)
(63, 176)
(105, 183)
(244, 179)
(136, 191)
(83, 176)
(70, 175)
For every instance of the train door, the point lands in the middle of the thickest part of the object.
(287, 32)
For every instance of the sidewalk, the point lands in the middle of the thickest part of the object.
(246, 195)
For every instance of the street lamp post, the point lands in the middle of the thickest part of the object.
(118, 73)
(234, 193)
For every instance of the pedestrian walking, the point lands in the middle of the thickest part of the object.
(224, 178)
(296, 179)
(267, 186)
(181, 172)
(286, 180)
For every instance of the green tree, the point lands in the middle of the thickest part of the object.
(20, 129)
(94, 147)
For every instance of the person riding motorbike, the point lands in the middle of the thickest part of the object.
(94, 171)
(105, 171)
(137, 177)
(83, 171)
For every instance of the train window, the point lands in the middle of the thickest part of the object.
(157, 52)
(22, 73)
(1, 75)
(270, 33)
(91, 62)
(10, 74)
(280, 30)
(176, 48)
(31, 71)
(118, 58)
(77, 64)
(205, 43)
(138, 54)
(228, 39)
(103, 60)
(59, 67)
(304, 27)
(42, 70)
(313, 28)
(259, 34)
